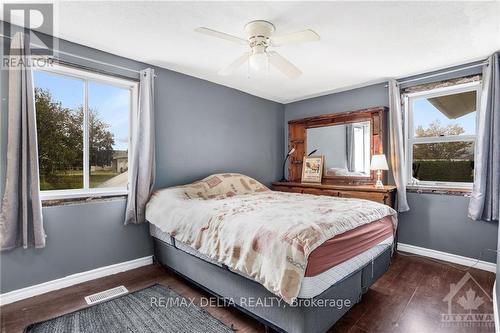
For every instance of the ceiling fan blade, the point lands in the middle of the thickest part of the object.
(221, 35)
(283, 65)
(295, 38)
(228, 70)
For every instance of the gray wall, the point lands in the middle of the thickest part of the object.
(80, 237)
(204, 128)
(350, 100)
(440, 222)
(331, 143)
(201, 128)
(435, 221)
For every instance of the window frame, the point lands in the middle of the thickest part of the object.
(366, 135)
(86, 76)
(411, 140)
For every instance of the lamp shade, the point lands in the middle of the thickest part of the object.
(379, 162)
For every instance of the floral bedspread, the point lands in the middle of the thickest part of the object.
(266, 236)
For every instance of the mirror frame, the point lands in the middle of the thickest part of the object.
(297, 137)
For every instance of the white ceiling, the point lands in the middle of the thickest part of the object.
(361, 42)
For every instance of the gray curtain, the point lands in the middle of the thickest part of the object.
(21, 221)
(142, 148)
(484, 202)
(350, 146)
(396, 143)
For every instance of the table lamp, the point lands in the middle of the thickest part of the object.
(315, 150)
(379, 163)
(290, 152)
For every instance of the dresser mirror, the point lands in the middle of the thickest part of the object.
(346, 140)
(346, 148)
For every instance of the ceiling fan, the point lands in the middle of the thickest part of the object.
(259, 38)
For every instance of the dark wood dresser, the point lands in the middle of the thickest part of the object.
(369, 192)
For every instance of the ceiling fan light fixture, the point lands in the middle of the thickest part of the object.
(259, 61)
(260, 36)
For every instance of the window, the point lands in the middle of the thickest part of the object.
(361, 134)
(441, 132)
(82, 127)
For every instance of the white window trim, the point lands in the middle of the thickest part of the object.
(410, 140)
(82, 193)
(87, 76)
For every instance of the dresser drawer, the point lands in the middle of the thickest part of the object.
(367, 192)
(373, 196)
(288, 189)
(318, 191)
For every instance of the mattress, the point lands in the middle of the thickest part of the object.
(348, 245)
(314, 285)
(311, 286)
(165, 237)
(268, 235)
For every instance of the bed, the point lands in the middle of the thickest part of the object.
(296, 262)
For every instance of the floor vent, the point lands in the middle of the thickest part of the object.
(105, 295)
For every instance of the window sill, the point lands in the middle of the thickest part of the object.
(443, 190)
(65, 197)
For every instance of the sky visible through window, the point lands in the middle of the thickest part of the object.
(425, 113)
(112, 103)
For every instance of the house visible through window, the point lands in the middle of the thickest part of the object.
(441, 132)
(83, 129)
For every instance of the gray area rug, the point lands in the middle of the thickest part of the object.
(135, 313)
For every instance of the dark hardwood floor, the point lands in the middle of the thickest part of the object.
(408, 298)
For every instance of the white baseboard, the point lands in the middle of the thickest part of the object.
(495, 308)
(42, 288)
(456, 259)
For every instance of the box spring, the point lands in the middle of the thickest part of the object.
(222, 283)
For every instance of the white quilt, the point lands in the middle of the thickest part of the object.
(267, 236)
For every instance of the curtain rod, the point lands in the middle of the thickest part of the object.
(93, 70)
(95, 61)
(442, 73)
(80, 57)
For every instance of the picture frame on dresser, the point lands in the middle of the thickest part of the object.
(312, 170)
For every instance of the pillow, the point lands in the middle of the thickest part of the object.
(223, 185)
